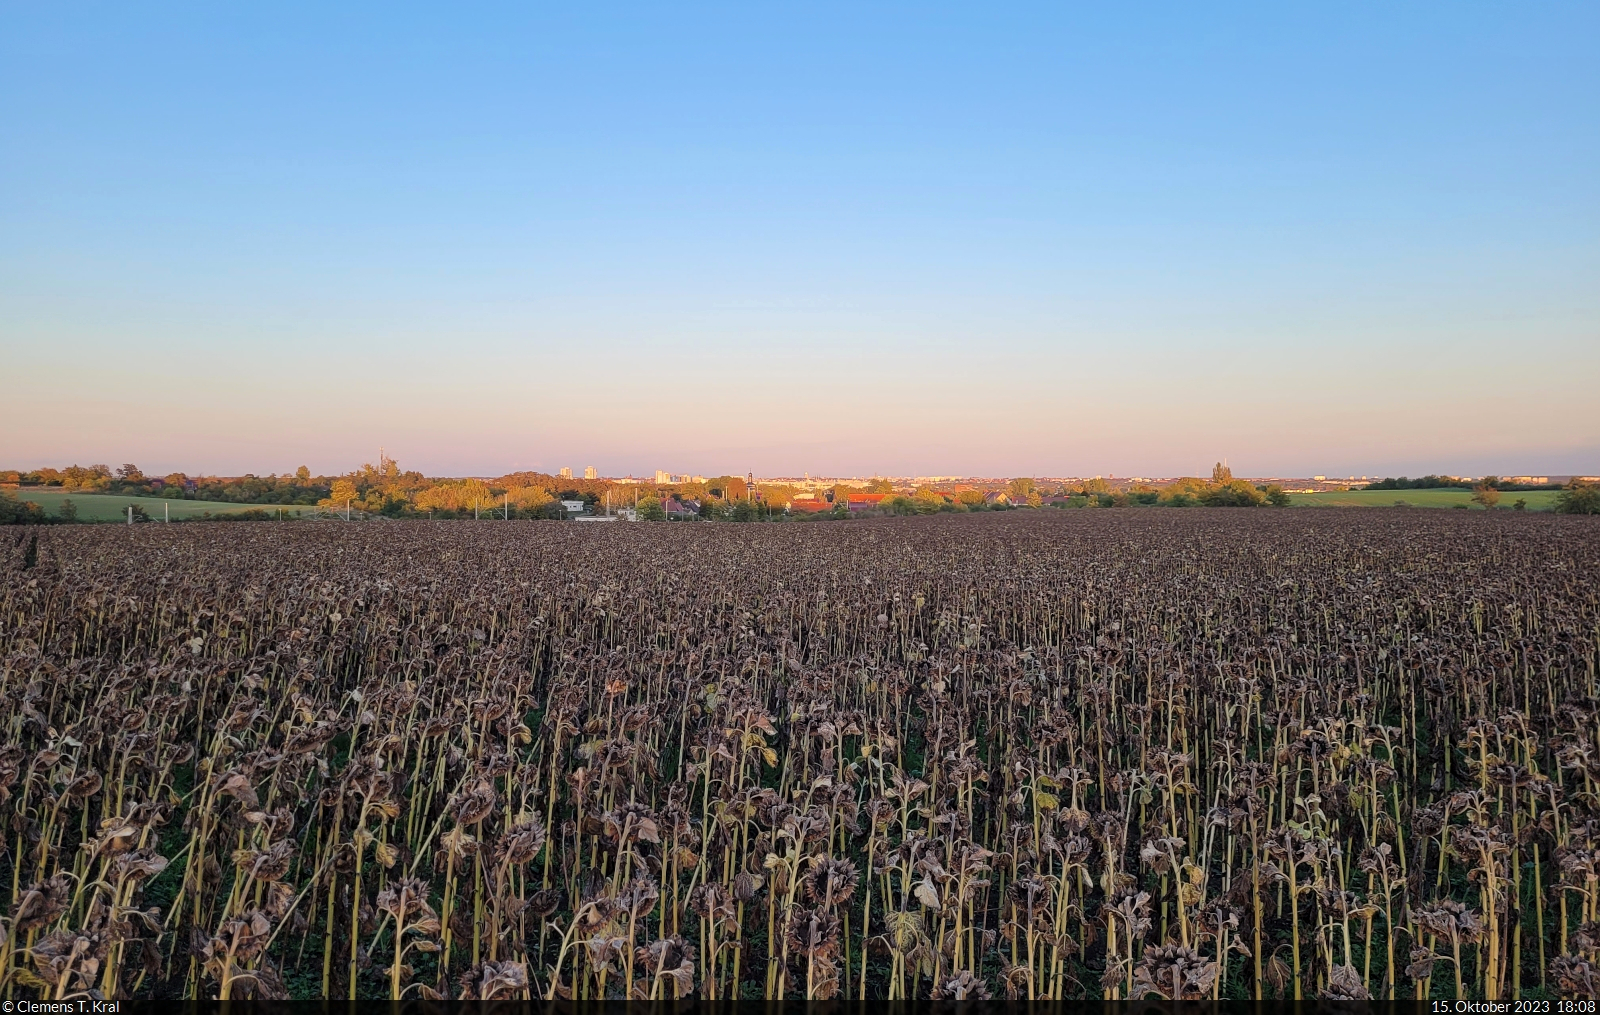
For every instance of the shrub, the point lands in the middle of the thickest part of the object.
(15, 512)
(1579, 498)
(1233, 493)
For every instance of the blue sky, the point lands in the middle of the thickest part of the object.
(1334, 239)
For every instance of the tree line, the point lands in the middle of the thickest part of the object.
(298, 487)
(1454, 483)
(385, 490)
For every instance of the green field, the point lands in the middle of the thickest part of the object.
(1538, 500)
(102, 507)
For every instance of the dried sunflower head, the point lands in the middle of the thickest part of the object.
(830, 882)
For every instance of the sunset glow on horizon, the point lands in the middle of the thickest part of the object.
(896, 241)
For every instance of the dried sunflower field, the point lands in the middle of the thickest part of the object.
(1178, 754)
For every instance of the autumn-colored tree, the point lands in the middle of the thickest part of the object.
(529, 497)
(729, 488)
(344, 490)
(1233, 493)
(457, 495)
(1019, 489)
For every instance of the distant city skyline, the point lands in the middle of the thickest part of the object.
(988, 239)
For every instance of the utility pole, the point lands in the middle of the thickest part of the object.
(166, 512)
(508, 506)
(347, 509)
(130, 514)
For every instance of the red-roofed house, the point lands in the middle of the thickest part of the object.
(675, 508)
(864, 501)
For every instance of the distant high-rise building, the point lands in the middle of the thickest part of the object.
(589, 473)
(663, 477)
(566, 472)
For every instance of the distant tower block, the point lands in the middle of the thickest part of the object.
(566, 472)
(589, 473)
